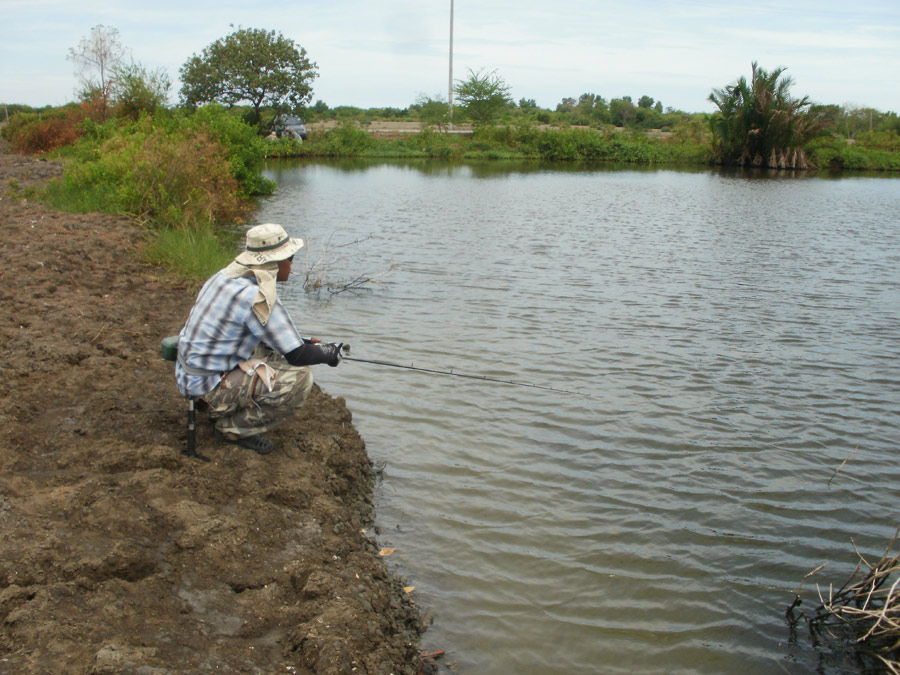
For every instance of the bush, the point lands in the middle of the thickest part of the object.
(138, 91)
(836, 153)
(346, 140)
(40, 132)
(171, 178)
(879, 140)
(283, 147)
(244, 148)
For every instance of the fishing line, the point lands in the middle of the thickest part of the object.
(471, 377)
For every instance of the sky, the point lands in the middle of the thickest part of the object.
(388, 53)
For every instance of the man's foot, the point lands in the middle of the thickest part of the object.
(258, 444)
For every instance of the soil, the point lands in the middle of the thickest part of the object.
(122, 555)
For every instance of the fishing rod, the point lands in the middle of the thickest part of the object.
(471, 377)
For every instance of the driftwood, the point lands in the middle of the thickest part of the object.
(864, 614)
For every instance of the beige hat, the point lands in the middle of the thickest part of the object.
(268, 243)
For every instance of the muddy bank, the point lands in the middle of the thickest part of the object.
(119, 554)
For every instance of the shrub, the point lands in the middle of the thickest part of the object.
(879, 140)
(36, 133)
(283, 147)
(346, 140)
(138, 91)
(173, 179)
(836, 153)
(244, 148)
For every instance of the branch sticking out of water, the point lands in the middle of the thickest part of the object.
(841, 466)
(864, 614)
(319, 274)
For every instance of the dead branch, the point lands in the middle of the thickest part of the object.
(841, 466)
(866, 607)
(318, 274)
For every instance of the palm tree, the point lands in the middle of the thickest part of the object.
(760, 124)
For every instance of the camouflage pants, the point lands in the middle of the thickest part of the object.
(242, 405)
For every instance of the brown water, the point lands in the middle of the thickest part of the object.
(739, 336)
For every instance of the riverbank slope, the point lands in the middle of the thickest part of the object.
(122, 555)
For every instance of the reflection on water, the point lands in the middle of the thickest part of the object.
(738, 336)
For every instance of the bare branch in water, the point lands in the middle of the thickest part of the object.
(319, 273)
(867, 608)
(841, 466)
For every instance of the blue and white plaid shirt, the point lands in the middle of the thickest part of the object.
(222, 331)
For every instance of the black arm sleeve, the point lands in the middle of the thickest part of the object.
(308, 354)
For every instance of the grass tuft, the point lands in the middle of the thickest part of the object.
(192, 254)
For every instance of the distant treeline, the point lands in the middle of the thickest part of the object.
(594, 111)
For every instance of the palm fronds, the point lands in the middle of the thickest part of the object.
(760, 124)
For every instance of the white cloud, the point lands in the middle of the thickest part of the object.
(385, 54)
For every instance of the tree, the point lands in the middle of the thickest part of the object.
(647, 118)
(591, 109)
(253, 65)
(134, 89)
(527, 105)
(433, 111)
(645, 101)
(854, 120)
(621, 110)
(760, 124)
(567, 105)
(96, 57)
(483, 96)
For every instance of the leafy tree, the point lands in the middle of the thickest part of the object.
(831, 116)
(253, 65)
(96, 57)
(591, 109)
(760, 124)
(483, 96)
(856, 120)
(621, 110)
(433, 111)
(691, 128)
(135, 89)
(527, 105)
(645, 101)
(647, 118)
(566, 105)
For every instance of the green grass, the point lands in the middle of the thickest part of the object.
(502, 142)
(192, 254)
(833, 153)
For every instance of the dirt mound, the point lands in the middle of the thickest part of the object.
(120, 554)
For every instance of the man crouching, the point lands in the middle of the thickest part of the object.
(239, 350)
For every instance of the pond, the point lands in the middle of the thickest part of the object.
(736, 339)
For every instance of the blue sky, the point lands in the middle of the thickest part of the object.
(378, 53)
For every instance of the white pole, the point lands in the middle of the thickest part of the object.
(450, 86)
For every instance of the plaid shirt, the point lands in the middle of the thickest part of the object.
(222, 331)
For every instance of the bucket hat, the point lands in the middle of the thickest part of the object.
(268, 243)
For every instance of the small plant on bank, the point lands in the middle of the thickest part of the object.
(192, 254)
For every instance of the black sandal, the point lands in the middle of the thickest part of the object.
(260, 445)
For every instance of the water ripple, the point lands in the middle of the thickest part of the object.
(738, 340)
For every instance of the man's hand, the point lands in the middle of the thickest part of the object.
(314, 351)
(334, 352)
